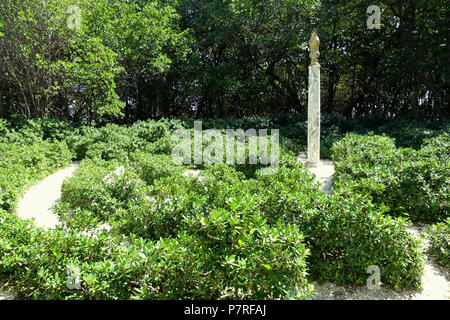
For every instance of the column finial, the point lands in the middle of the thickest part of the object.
(314, 44)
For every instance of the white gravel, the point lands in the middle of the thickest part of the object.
(324, 173)
(38, 202)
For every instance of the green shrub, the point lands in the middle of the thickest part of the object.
(23, 164)
(37, 261)
(103, 188)
(164, 146)
(412, 133)
(230, 254)
(350, 234)
(4, 129)
(114, 142)
(228, 233)
(86, 189)
(439, 236)
(175, 197)
(160, 214)
(151, 167)
(111, 142)
(249, 261)
(345, 232)
(30, 131)
(411, 183)
(79, 142)
(76, 218)
(248, 258)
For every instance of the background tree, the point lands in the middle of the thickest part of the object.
(48, 69)
(141, 59)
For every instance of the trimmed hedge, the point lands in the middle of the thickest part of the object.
(345, 232)
(227, 255)
(228, 233)
(252, 260)
(439, 236)
(411, 183)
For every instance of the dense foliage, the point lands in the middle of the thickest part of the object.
(136, 225)
(181, 268)
(270, 264)
(409, 182)
(25, 158)
(85, 60)
(143, 59)
(156, 202)
(439, 236)
(344, 232)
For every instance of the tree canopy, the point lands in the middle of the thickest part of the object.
(138, 59)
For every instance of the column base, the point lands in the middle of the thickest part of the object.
(313, 164)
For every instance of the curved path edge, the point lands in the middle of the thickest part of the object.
(37, 203)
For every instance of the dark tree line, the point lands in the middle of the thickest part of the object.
(149, 59)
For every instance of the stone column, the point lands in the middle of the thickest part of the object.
(314, 103)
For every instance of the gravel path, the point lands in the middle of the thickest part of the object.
(39, 200)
